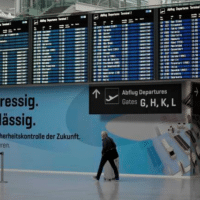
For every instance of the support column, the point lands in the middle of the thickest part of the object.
(2, 168)
(17, 7)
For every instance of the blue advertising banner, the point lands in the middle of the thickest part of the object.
(50, 128)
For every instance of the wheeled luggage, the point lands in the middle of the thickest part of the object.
(108, 170)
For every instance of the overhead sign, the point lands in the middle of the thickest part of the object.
(135, 99)
(123, 46)
(196, 98)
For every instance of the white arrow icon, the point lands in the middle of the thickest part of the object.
(196, 91)
(96, 92)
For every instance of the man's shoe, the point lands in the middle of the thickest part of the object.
(95, 178)
(116, 179)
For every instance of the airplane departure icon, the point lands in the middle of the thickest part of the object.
(96, 17)
(111, 98)
(162, 11)
(196, 91)
(111, 95)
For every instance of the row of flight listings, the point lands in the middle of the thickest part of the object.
(122, 47)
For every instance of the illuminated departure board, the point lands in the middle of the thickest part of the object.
(179, 42)
(123, 46)
(14, 43)
(60, 49)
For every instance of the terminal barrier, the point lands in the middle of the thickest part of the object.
(2, 168)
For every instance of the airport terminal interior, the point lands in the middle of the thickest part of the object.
(71, 69)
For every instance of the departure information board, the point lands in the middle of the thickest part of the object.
(60, 49)
(179, 42)
(14, 43)
(123, 46)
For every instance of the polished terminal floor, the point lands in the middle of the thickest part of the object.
(41, 186)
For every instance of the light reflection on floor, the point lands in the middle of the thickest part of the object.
(39, 186)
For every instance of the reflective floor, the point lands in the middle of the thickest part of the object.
(39, 186)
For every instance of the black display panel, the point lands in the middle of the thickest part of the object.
(123, 46)
(14, 43)
(60, 49)
(135, 99)
(196, 98)
(179, 42)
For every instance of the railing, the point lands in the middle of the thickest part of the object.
(2, 168)
(38, 7)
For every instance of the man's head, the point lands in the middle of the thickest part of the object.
(104, 134)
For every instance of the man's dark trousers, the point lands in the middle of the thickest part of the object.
(109, 156)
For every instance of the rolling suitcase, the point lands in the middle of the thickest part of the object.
(108, 170)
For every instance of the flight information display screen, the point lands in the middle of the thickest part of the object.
(123, 46)
(14, 43)
(60, 49)
(179, 42)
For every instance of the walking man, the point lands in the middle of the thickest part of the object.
(109, 153)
